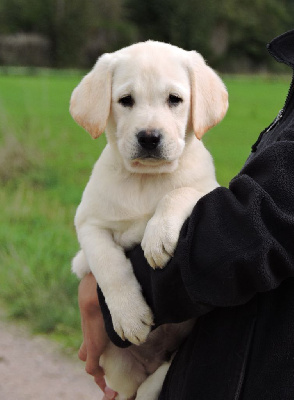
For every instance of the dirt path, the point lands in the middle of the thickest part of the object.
(33, 368)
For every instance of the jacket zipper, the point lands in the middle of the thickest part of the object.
(282, 111)
(291, 65)
(266, 130)
(276, 120)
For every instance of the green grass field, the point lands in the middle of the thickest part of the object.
(45, 162)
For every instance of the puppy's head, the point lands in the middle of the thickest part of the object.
(148, 97)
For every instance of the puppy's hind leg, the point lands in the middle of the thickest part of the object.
(80, 265)
(151, 387)
(123, 373)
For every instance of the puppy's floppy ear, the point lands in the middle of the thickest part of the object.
(91, 99)
(209, 95)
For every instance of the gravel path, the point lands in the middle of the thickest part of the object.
(34, 368)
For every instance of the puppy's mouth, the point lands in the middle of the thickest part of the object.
(149, 162)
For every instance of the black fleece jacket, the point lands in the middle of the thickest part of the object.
(233, 269)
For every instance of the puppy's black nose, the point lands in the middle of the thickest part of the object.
(149, 139)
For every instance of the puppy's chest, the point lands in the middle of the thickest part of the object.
(129, 233)
(129, 211)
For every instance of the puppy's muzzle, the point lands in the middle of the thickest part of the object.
(149, 143)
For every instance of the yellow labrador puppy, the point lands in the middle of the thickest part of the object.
(154, 101)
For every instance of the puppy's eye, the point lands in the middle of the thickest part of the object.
(174, 100)
(127, 101)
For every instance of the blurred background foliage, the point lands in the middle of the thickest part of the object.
(73, 33)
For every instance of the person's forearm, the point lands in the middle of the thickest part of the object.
(240, 240)
(237, 242)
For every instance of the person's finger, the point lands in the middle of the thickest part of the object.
(99, 379)
(82, 353)
(105, 397)
(109, 393)
(96, 340)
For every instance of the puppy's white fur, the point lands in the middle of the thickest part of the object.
(135, 197)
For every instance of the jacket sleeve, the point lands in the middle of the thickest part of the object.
(237, 242)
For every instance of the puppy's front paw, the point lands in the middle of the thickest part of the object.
(160, 240)
(132, 318)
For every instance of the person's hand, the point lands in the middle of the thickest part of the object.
(95, 338)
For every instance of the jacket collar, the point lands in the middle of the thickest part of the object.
(282, 48)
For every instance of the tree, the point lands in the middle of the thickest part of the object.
(183, 23)
(250, 24)
(229, 35)
(60, 21)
